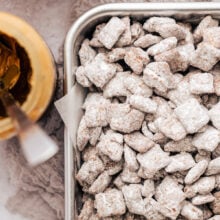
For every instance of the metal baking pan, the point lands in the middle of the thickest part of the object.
(190, 12)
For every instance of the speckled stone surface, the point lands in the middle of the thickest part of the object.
(37, 194)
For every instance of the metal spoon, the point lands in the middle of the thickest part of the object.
(36, 144)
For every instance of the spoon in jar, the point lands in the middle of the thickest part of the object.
(36, 144)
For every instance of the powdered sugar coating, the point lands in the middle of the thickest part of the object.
(196, 171)
(164, 45)
(206, 22)
(170, 206)
(158, 75)
(208, 140)
(111, 32)
(99, 71)
(110, 203)
(147, 40)
(151, 122)
(205, 56)
(192, 115)
(201, 83)
(153, 160)
(191, 212)
(136, 58)
(138, 142)
(180, 162)
(133, 199)
(143, 104)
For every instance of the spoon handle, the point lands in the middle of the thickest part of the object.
(36, 144)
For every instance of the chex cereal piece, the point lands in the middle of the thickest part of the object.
(110, 147)
(214, 115)
(184, 145)
(151, 209)
(133, 199)
(90, 170)
(170, 197)
(125, 38)
(94, 42)
(181, 93)
(216, 203)
(99, 71)
(208, 140)
(136, 58)
(164, 45)
(203, 186)
(148, 189)
(81, 77)
(143, 104)
(100, 184)
(211, 35)
(136, 85)
(96, 114)
(83, 134)
(206, 22)
(138, 142)
(130, 159)
(94, 98)
(173, 30)
(87, 210)
(192, 115)
(191, 212)
(196, 171)
(213, 167)
(136, 30)
(180, 162)
(176, 60)
(126, 122)
(153, 160)
(201, 83)
(205, 56)
(115, 87)
(171, 127)
(110, 203)
(158, 75)
(166, 27)
(116, 54)
(154, 24)
(86, 53)
(202, 199)
(129, 176)
(147, 40)
(111, 32)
